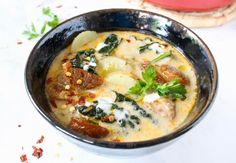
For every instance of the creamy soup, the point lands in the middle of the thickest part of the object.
(121, 86)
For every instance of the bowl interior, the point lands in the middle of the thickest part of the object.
(122, 19)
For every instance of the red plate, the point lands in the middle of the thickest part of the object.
(191, 5)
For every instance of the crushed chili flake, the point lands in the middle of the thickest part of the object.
(91, 95)
(53, 103)
(38, 152)
(128, 40)
(82, 100)
(64, 60)
(49, 80)
(23, 158)
(59, 6)
(19, 42)
(69, 101)
(40, 140)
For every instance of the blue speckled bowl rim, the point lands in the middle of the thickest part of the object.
(139, 144)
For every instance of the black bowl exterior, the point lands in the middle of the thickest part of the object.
(123, 19)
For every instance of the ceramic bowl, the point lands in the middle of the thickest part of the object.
(150, 23)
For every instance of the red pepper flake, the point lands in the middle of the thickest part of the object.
(53, 103)
(40, 140)
(23, 158)
(64, 60)
(19, 125)
(82, 100)
(128, 40)
(69, 101)
(19, 42)
(38, 152)
(91, 95)
(49, 80)
(71, 93)
(59, 6)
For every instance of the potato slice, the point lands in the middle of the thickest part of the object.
(112, 64)
(120, 82)
(82, 39)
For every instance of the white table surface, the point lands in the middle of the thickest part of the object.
(213, 140)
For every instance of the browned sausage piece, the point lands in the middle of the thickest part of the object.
(84, 127)
(55, 87)
(164, 107)
(87, 80)
(81, 79)
(169, 73)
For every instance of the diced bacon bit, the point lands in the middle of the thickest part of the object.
(49, 80)
(91, 95)
(82, 100)
(38, 152)
(128, 40)
(40, 140)
(23, 158)
(53, 103)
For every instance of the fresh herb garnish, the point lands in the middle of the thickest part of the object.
(32, 33)
(111, 42)
(54, 19)
(85, 60)
(173, 89)
(162, 56)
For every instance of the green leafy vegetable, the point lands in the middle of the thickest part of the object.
(86, 60)
(144, 47)
(111, 42)
(142, 112)
(173, 89)
(31, 33)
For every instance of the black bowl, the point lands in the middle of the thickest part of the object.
(150, 23)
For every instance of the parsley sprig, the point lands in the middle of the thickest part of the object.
(53, 21)
(173, 89)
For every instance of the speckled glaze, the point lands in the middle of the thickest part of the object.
(122, 19)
